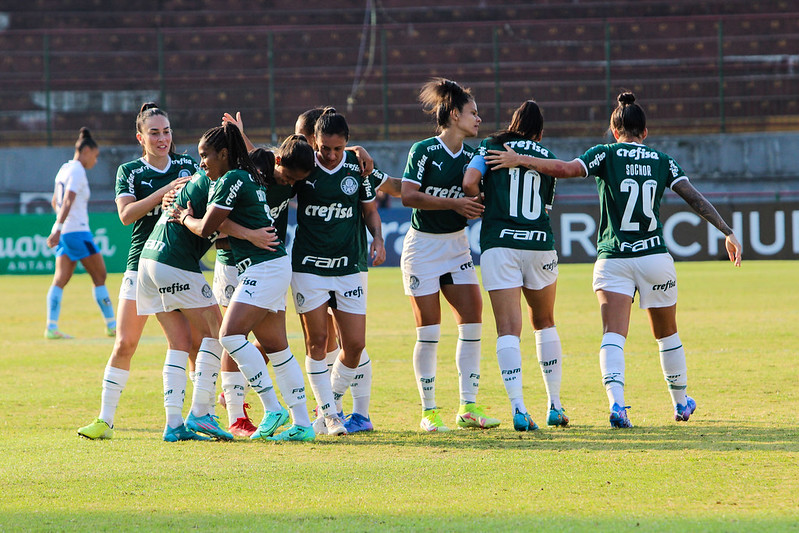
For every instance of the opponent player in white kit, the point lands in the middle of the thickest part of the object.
(72, 237)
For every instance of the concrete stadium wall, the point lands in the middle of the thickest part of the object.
(716, 163)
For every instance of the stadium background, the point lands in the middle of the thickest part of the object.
(719, 81)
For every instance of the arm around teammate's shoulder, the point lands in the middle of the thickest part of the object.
(556, 168)
(130, 209)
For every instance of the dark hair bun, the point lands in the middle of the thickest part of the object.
(626, 98)
(297, 137)
(329, 111)
(148, 105)
(85, 133)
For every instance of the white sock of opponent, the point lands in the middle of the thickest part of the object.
(233, 385)
(611, 364)
(114, 381)
(206, 370)
(467, 359)
(509, 357)
(361, 386)
(547, 348)
(319, 377)
(288, 376)
(424, 363)
(175, 386)
(340, 379)
(675, 369)
(252, 365)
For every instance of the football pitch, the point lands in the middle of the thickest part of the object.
(733, 467)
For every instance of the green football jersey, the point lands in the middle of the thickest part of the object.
(225, 256)
(329, 219)
(516, 201)
(245, 198)
(438, 172)
(631, 179)
(139, 180)
(278, 197)
(175, 245)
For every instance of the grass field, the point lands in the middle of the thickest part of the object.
(733, 467)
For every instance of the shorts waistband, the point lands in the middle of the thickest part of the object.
(437, 236)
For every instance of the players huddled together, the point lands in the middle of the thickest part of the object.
(236, 199)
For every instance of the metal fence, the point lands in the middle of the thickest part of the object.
(706, 74)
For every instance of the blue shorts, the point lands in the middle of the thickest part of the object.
(76, 245)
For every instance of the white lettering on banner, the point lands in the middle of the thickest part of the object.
(584, 237)
(668, 234)
(31, 265)
(25, 246)
(795, 231)
(714, 236)
(30, 253)
(685, 234)
(401, 230)
(103, 243)
(755, 234)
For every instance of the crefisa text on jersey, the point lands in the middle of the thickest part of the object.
(528, 145)
(453, 192)
(329, 212)
(639, 152)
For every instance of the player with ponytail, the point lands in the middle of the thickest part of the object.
(72, 237)
(518, 258)
(260, 296)
(286, 165)
(631, 250)
(140, 187)
(335, 203)
(172, 287)
(436, 257)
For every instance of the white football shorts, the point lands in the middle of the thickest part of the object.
(509, 268)
(264, 284)
(226, 278)
(127, 290)
(430, 260)
(345, 293)
(653, 276)
(162, 288)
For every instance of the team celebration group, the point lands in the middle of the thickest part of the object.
(237, 199)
